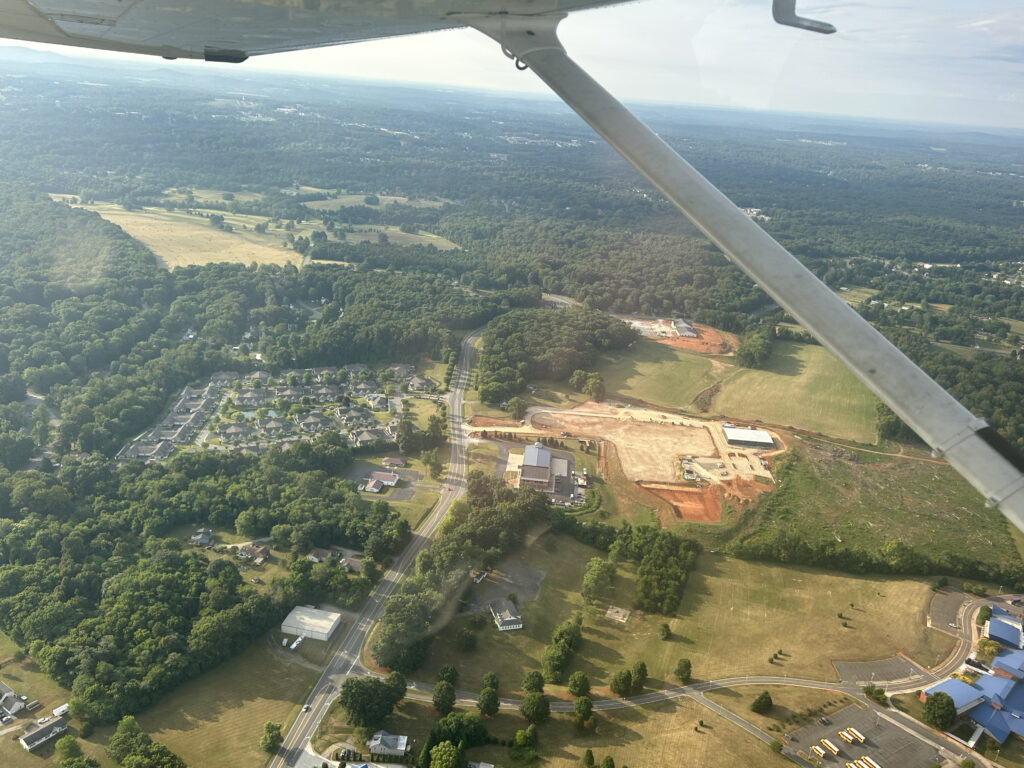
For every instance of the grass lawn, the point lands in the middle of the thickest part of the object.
(734, 615)
(854, 294)
(657, 734)
(804, 387)
(217, 719)
(481, 455)
(1010, 754)
(420, 410)
(658, 373)
(416, 508)
(28, 680)
(792, 707)
(865, 500)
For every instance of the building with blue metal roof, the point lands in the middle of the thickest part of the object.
(1005, 628)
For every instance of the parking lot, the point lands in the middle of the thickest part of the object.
(885, 743)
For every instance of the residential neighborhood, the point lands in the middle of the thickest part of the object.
(250, 412)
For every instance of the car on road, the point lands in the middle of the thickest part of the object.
(305, 707)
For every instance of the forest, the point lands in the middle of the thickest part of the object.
(112, 605)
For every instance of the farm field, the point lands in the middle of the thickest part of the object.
(804, 387)
(179, 239)
(751, 609)
(865, 500)
(346, 201)
(659, 373)
(217, 718)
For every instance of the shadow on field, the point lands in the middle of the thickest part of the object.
(785, 362)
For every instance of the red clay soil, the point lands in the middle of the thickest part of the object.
(708, 342)
(694, 505)
(486, 421)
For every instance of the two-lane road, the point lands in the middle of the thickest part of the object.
(294, 752)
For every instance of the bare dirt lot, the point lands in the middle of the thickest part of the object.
(708, 342)
(648, 450)
(698, 505)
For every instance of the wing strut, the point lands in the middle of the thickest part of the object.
(973, 448)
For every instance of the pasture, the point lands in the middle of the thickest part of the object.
(217, 718)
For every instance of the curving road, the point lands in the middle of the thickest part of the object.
(295, 752)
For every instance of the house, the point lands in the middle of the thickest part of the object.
(313, 422)
(255, 552)
(234, 433)
(366, 437)
(374, 486)
(384, 743)
(392, 461)
(536, 469)
(327, 393)
(422, 384)
(390, 479)
(318, 555)
(10, 702)
(223, 378)
(378, 401)
(505, 615)
(352, 564)
(201, 538)
(401, 370)
(38, 734)
(61, 710)
(274, 427)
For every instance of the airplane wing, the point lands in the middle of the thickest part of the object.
(232, 30)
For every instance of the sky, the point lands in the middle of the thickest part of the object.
(939, 61)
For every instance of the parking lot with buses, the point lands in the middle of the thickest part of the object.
(861, 738)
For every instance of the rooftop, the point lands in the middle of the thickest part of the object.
(537, 455)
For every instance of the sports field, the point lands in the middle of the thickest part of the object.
(804, 387)
(217, 718)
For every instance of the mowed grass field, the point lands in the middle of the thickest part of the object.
(658, 373)
(733, 617)
(217, 719)
(804, 386)
(792, 707)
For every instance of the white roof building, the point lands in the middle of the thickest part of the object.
(311, 622)
(384, 743)
(756, 437)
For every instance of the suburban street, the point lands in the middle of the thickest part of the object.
(295, 751)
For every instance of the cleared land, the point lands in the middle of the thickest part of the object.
(865, 499)
(217, 718)
(804, 387)
(347, 201)
(647, 448)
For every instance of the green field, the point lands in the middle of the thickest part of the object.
(658, 373)
(792, 706)
(217, 719)
(804, 387)
(734, 616)
(834, 494)
(655, 735)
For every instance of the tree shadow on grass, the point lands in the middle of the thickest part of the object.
(784, 360)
